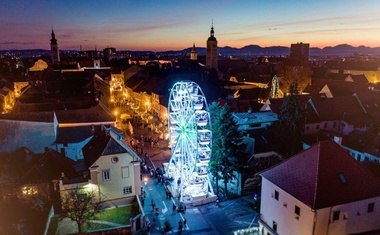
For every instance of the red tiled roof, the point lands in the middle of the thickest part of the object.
(343, 107)
(313, 177)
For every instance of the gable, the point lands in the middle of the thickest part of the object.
(323, 176)
(113, 147)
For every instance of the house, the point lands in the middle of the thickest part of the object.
(114, 168)
(7, 96)
(322, 190)
(254, 120)
(71, 140)
(362, 146)
(339, 115)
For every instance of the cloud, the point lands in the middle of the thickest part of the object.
(16, 43)
(329, 31)
(338, 19)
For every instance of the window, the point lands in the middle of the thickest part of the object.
(336, 215)
(114, 160)
(125, 172)
(371, 207)
(276, 194)
(127, 190)
(297, 212)
(106, 175)
(342, 178)
(274, 226)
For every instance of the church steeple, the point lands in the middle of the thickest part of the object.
(212, 50)
(53, 40)
(54, 47)
(212, 37)
(212, 29)
(193, 53)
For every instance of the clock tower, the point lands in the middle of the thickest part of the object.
(54, 48)
(212, 51)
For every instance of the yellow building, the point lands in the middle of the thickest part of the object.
(114, 168)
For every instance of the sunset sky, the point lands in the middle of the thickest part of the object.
(176, 24)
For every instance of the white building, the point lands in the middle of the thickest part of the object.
(322, 190)
(256, 120)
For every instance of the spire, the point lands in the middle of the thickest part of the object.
(212, 28)
(193, 47)
(53, 40)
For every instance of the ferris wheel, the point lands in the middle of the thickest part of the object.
(190, 138)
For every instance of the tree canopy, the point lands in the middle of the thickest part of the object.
(291, 71)
(227, 145)
(286, 133)
(80, 205)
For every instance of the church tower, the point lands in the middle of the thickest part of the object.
(54, 48)
(212, 51)
(193, 53)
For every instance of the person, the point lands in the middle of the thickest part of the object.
(184, 222)
(153, 205)
(217, 202)
(174, 207)
(157, 210)
(148, 227)
(180, 225)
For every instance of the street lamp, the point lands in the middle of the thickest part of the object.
(145, 180)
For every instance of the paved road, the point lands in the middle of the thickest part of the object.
(232, 215)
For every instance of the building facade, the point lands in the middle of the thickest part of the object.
(319, 191)
(212, 51)
(300, 51)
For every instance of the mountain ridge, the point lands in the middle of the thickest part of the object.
(248, 50)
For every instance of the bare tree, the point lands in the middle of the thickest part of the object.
(81, 205)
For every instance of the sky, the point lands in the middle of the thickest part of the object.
(160, 25)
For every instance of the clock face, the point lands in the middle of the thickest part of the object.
(114, 159)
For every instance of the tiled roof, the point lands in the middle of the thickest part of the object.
(95, 114)
(337, 87)
(345, 108)
(48, 166)
(75, 134)
(240, 105)
(29, 116)
(370, 101)
(358, 140)
(323, 176)
(103, 143)
(373, 148)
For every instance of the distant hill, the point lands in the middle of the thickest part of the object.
(255, 50)
(249, 50)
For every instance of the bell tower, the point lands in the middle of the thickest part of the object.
(54, 48)
(212, 50)
(193, 53)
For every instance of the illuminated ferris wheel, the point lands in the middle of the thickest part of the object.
(190, 139)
